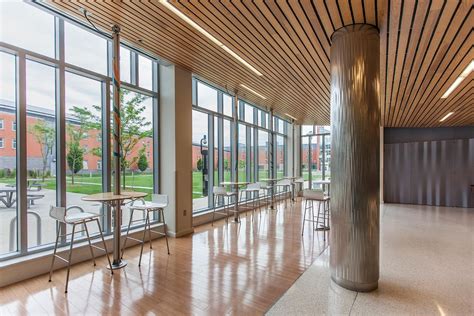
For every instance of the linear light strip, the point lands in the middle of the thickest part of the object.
(458, 81)
(253, 91)
(290, 116)
(446, 116)
(208, 35)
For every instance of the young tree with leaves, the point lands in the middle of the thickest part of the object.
(135, 127)
(142, 162)
(44, 135)
(81, 121)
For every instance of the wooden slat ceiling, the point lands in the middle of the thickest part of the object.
(425, 45)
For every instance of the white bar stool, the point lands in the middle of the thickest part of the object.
(322, 220)
(254, 190)
(221, 192)
(82, 218)
(285, 186)
(157, 204)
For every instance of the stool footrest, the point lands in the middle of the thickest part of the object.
(99, 248)
(59, 257)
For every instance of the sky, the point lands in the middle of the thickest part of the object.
(82, 48)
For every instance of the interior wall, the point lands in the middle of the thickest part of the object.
(429, 166)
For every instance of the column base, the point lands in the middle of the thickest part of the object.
(356, 287)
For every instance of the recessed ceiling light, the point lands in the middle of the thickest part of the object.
(446, 116)
(208, 35)
(253, 91)
(290, 116)
(458, 81)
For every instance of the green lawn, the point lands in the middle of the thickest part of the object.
(89, 184)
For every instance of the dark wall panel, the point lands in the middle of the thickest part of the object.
(437, 172)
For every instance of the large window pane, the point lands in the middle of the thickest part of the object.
(227, 151)
(8, 211)
(280, 157)
(41, 148)
(85, 49)
(305, 160)
(249, 118)
(83, 141)
(206, 97)
(242, 153)
(137, 146)
(227, 104)
(263, 166)
(125, 70)
(145, 72)
(23, 25)
(200, 159)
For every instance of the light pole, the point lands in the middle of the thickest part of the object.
(204, 154)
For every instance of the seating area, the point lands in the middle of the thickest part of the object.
(236, 157)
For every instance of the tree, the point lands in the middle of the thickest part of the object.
(199, 164)
(81, 121)
(134, 128)
(142, 162)
(226, 164)
(44, 135)
(75, 159)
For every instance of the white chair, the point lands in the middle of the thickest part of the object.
(322, 218)
(254, 190)
(221, 193)
(283, 186)
(157, 204)
(60, 214)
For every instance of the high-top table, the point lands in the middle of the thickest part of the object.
(324, 183)
(271, 182)
(112, 199)
(292, 187)
(236, 186)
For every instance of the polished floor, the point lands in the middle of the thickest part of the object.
(426, 268)
(226, 269)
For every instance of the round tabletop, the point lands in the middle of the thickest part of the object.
(322, 181)
(234, 183)
(110, 196)
(268, 179)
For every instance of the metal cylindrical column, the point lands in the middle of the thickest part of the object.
(355, 119)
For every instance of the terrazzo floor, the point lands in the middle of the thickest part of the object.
(426, 268)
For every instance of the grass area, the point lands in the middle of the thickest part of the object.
(90, 184)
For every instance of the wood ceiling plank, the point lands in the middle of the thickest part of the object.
(407, 13)
(437, 35)
(455, 43)
(423, 44)
(383, 12)
(438, 106)
(345, 12)
(357, 7)
(318, 7)
(370, 12)
(281, 25)
(419, 22)
(220, 30)
(334, 15)
(392, 49)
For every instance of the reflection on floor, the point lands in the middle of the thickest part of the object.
(427, 258)
(235, 268)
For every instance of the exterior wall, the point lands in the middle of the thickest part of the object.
(91, 161)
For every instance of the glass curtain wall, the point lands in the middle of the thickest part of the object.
(60, 72)
(213, 121)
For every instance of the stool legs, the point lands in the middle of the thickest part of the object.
(70, 256)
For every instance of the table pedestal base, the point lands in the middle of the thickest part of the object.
(119, 264)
